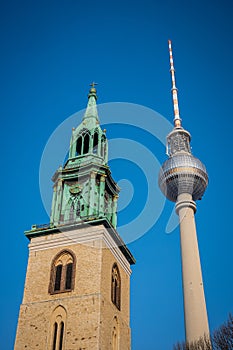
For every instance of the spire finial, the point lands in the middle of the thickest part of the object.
(91, 111)
(93, 84)
(177, 119)
(93, 89)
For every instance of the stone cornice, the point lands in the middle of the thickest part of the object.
(95, 236)
(118, 242)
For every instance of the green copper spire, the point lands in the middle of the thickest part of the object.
(88, 138)
(83, 188)
(84, 140)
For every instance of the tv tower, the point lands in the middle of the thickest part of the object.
(183, 179)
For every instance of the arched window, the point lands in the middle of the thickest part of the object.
(86, 140)
(79, 146)
(57, 336)
(95, 142)
(116, 287)
(62, 273)
(83, 142)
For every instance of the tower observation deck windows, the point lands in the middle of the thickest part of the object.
(178, 141)
(62, 273)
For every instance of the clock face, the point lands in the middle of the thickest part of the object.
(75, 189)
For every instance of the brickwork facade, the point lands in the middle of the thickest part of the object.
(86, 313)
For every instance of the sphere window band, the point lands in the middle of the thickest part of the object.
(183, 173)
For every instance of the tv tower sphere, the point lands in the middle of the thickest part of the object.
(182, 172)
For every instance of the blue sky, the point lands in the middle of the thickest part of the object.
(50, 52)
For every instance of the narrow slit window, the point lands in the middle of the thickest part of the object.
(57, 285)
(69, 270)
(115, 292)
(79, 146)
(95, 143)
(54, 336)
(86, 143)
(116, 287)
(61, 335)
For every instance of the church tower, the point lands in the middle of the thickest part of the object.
(77, 284)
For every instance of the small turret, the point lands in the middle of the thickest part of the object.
(88, 141)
